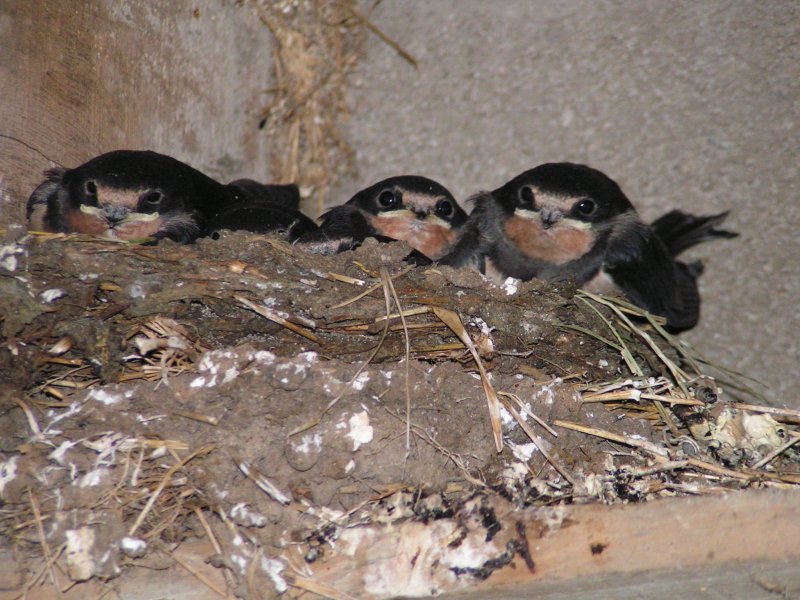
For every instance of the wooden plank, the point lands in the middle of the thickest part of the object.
(748, 580)
(745, 543)
(669, 541)
(739, 546)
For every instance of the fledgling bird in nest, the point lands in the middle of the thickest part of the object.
(131, 194)
(564, 221)
(412, 208)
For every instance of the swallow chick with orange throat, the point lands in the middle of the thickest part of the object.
(415, 209)
(564, 221)
(132, 194)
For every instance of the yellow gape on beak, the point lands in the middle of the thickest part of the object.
(131, 217)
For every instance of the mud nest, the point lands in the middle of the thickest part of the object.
(285, 408)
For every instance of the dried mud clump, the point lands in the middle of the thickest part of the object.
(287, 415)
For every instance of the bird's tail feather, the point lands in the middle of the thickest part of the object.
(679, 230)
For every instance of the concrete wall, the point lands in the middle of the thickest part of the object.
(82, 77)
(686, 104)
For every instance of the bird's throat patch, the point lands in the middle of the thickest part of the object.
(84, 222)
(559, 244)
(429, 237)
(133, 229)
(137, 226)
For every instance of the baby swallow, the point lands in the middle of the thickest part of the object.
(563, 221)
(262, 208)
(415, 209)
(126, 194)
(129, 194)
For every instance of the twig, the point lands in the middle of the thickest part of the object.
(769, 457)
(213, 586)
(208, 419)
(389, 288)
(316, 587)
(667, 466)
(664, 414)
(642, 444)
(37, 433)
(215, 544)
(623, 348)
(207, 528)
(383, 37)
(539, 444)
(784, 412)
(252, 570)
(426, 437)
(701, 464)
(43, 540)
(453, 321)
(590, 333)
(529, 412)
(34, 581)
(620, 308)
(348, 279)
(163, 483)
(366, 292)
(266, 486)
(635, 395)
(681, 346)
(369, 290)
(421, 310)
(361, 367)
(272, 316)
(441, 348)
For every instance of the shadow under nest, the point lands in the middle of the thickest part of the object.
(244, 391)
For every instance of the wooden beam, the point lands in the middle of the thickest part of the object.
(680, 544)
(743, 545)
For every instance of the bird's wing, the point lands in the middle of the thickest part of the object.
(642, 267)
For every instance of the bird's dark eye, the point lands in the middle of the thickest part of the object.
(387, 199)
(526, 196)
(444, 209)
(585, 207)
(151, 200)
(90, 193)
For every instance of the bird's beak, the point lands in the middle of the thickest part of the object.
(400, 213)
(550, 216)
(92, 210)
(141, 217)
(117, 214)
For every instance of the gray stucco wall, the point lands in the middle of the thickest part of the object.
(687, 105)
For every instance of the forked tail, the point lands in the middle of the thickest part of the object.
(679, 230)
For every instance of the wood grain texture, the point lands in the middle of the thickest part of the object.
(80, 78)
(679, 545)
(743, 546)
